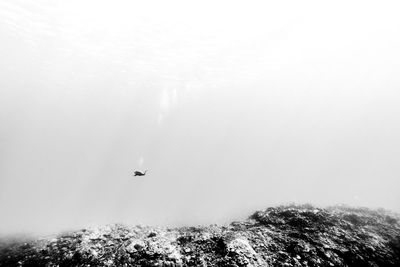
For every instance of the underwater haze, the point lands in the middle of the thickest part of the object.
(230, 106)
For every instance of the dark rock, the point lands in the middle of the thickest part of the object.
(152, 234)
(278, 236)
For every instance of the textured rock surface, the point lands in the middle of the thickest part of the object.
(280, 236)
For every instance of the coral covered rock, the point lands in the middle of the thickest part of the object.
(278, 236)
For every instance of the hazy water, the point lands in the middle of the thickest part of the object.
(232, 107)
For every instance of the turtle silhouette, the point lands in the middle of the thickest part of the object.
(139, 173)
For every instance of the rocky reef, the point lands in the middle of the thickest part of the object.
(294, 235)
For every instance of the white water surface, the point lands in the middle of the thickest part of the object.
(232, 106)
